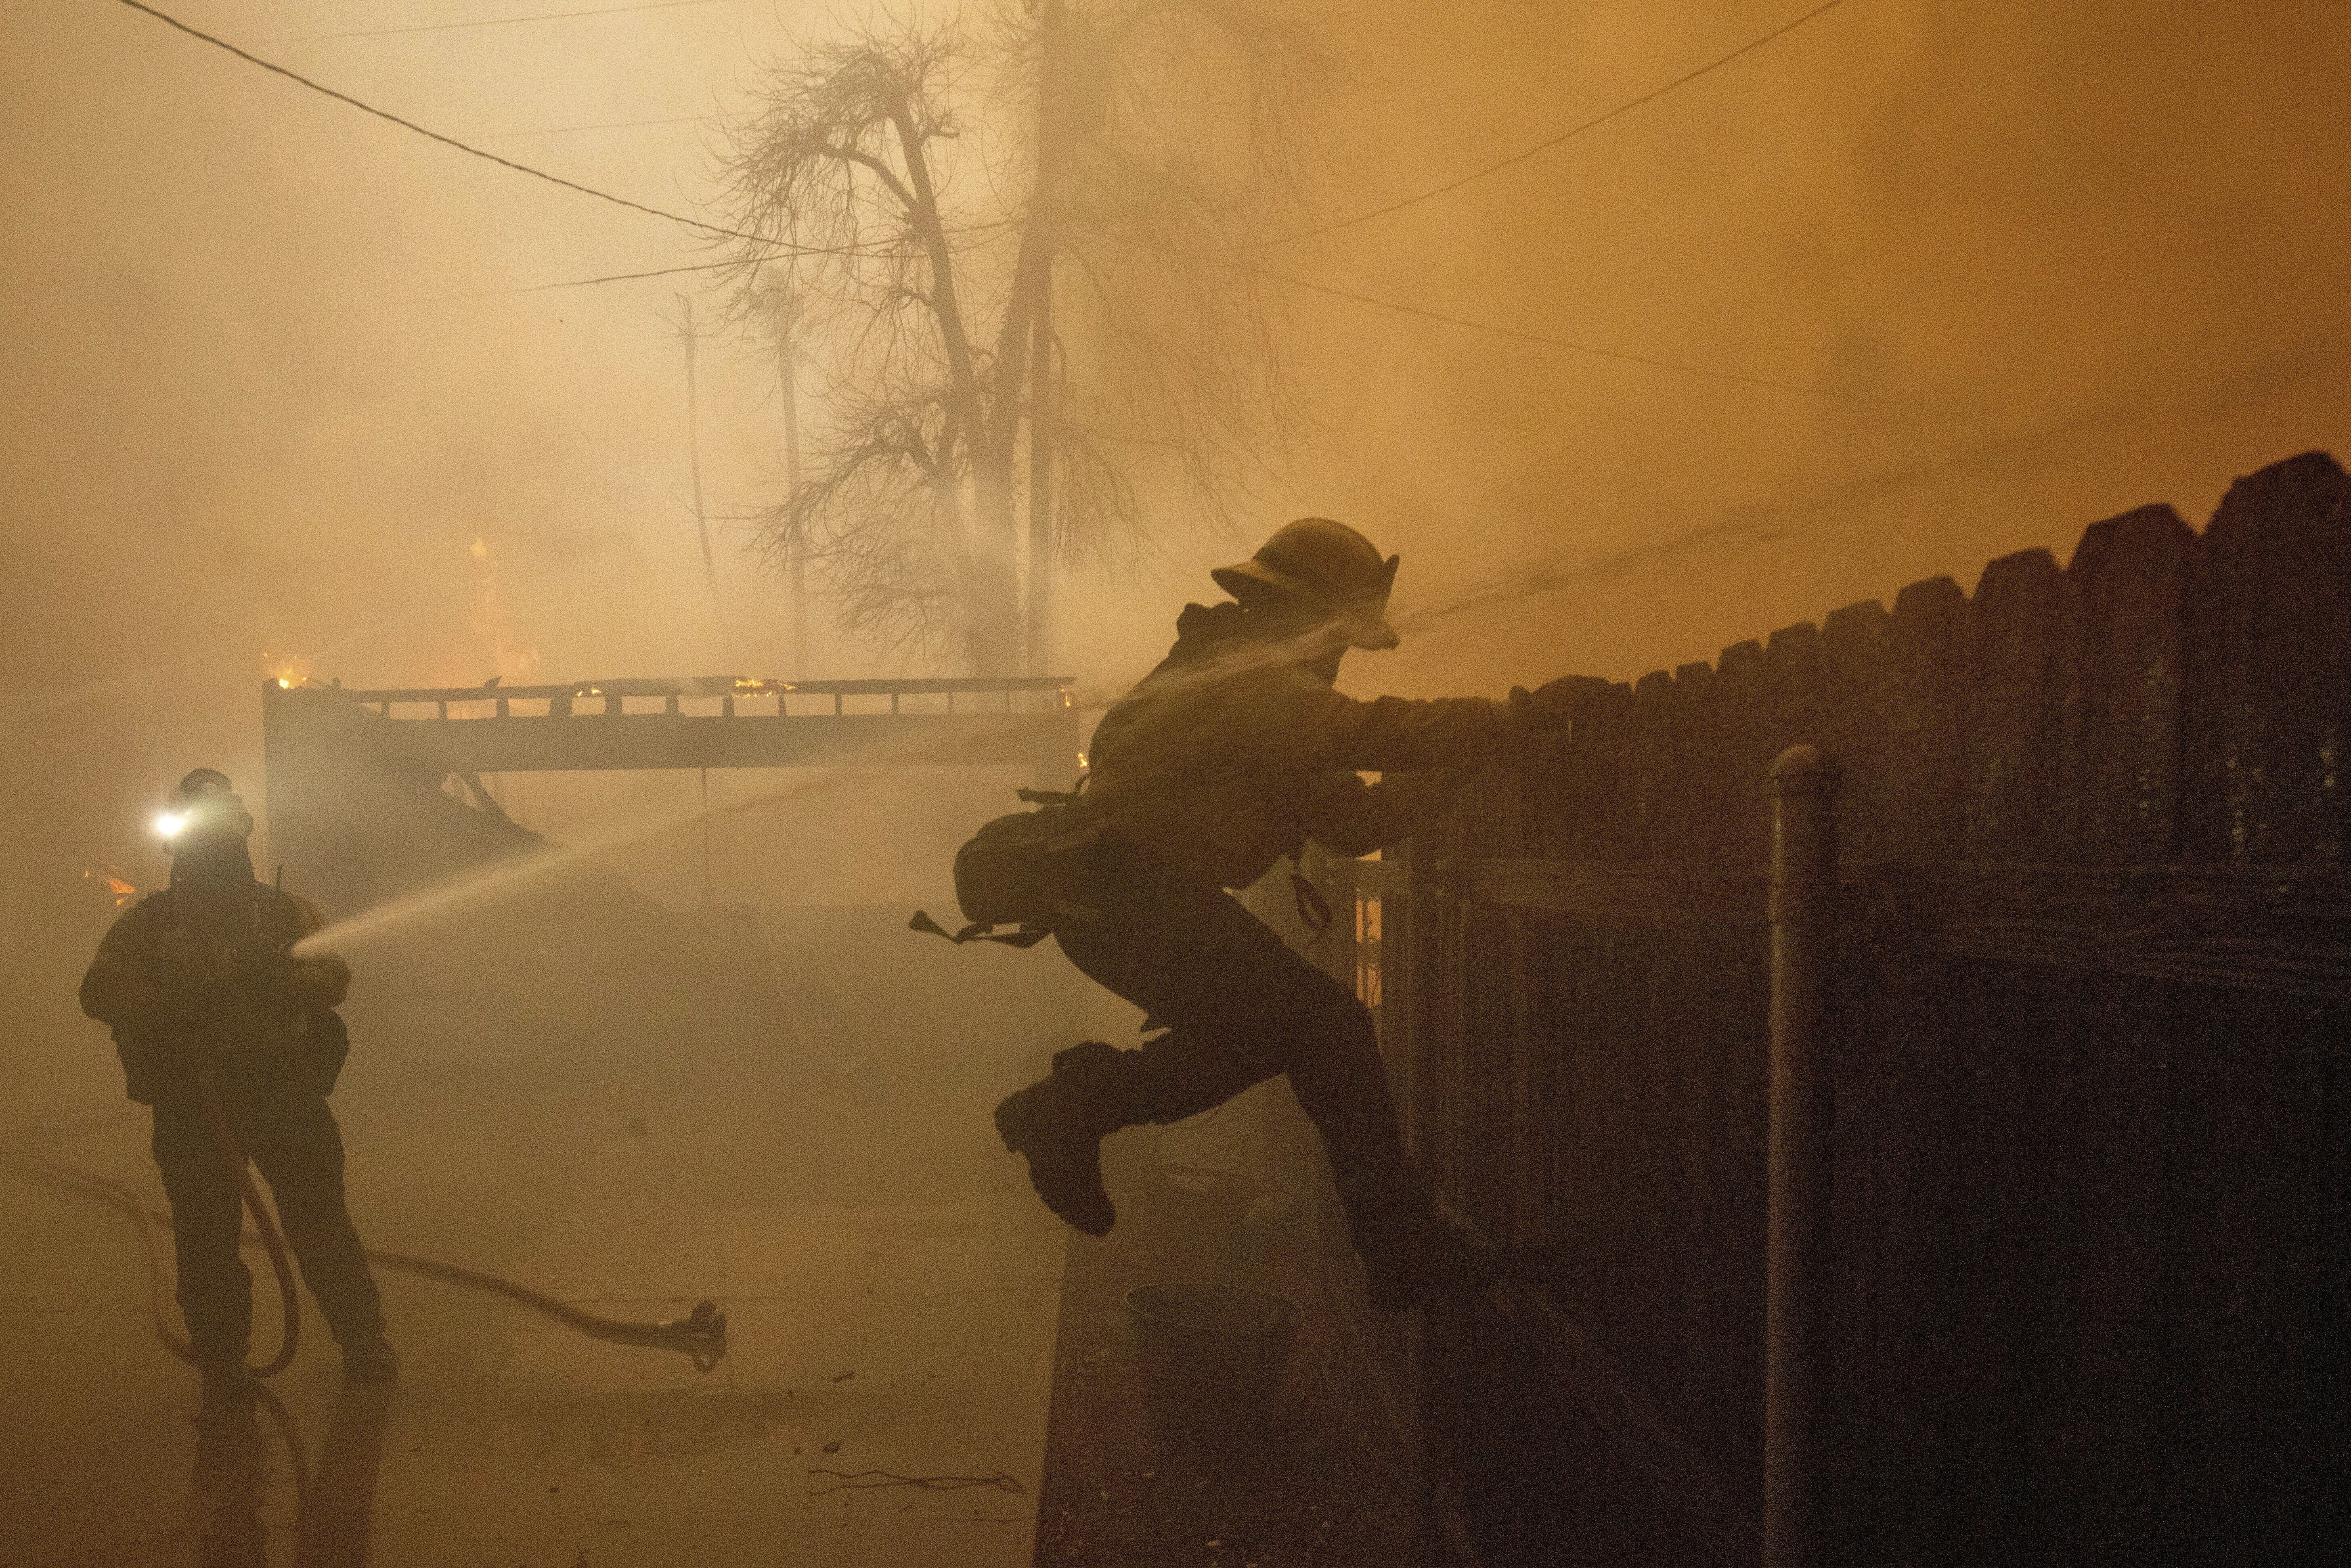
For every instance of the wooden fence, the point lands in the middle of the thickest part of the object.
(2091, 1279)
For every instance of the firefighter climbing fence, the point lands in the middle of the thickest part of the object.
(2086, 1249)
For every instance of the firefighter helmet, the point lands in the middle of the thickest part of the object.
(203, 807)
(1324, 565)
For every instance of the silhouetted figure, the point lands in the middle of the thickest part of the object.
(232, 1465)
(1227, 756)
(337, 1509)
(334, 1502)
(200, 988)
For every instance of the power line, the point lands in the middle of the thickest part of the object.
(1547, 342)
(1567, 135)
(989, 227)
(839, 250)
(500, 21)
(1334, 292)
(611, 278)
(476, 152)
(607, 125)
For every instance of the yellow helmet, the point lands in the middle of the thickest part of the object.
(1327, 566)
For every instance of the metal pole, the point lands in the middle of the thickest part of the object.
(1795, 1361)
(694, 450)
(787, 375)
(1041, 411)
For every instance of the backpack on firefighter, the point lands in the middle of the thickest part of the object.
(1011, 872)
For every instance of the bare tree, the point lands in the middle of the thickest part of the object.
(928, 176)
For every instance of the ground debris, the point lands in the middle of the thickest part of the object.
(869, 1481)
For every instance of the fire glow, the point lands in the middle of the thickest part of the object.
(122, 891)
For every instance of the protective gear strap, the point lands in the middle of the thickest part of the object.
(1026, 936)
(1313, 909)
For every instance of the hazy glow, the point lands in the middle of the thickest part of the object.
(169, 823)
(459, 894)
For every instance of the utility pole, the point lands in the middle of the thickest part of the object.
(787, 372)
(1040, 344)
(694, 449)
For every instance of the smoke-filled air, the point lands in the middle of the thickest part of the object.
(552, 554)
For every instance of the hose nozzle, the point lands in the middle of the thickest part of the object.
(700, 1335)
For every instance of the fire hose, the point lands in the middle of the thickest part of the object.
(701, 1337)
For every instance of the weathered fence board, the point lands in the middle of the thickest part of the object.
(2130, 578)
(1924, 644)
(2016, 647)
(2269, 670)
(2093, 1068)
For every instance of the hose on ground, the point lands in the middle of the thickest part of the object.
(701, 1337)
(273, 1241)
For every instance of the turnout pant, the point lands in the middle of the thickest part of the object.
(295, 1143)
(1238, 1007)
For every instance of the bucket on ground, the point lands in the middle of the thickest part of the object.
(1212, 1359)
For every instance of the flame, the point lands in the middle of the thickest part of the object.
(495, 637)
(122, 891)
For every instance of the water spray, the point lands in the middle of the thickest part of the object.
(475, 887)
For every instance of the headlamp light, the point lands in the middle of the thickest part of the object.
(205, 811)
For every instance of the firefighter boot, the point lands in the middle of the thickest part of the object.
(1057, 1123)
(229, 1390)
(1414, 1251)
(1433, 1259)
(370, 1361)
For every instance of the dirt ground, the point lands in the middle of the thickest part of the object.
(1312, 1474)
(892, 1303)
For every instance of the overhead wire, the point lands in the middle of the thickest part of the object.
(715, 265)
(1544, 340)
(782, 248)
(609, 277)
(1541, 337)
(499, 21)
(1549, 142)
(606, 125)
(709, 228)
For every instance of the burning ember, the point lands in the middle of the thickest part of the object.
(122, 891)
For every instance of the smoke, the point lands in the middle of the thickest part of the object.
(291, 391)
(270, 387)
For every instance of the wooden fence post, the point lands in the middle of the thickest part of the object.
(1796, 1310)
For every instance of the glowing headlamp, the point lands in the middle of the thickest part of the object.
(203, 811)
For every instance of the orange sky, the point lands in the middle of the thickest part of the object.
(2035, 263)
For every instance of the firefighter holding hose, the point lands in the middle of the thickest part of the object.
(235, 1044)
(1229, 756)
